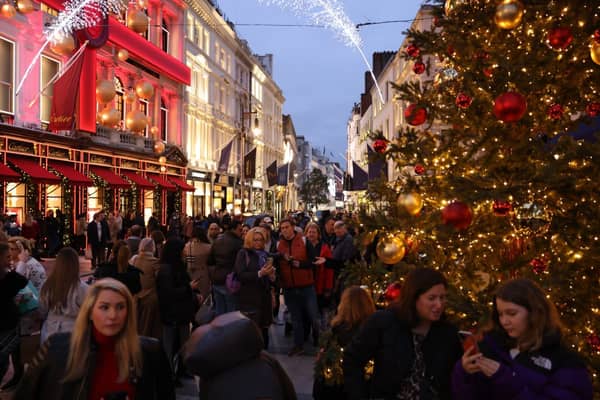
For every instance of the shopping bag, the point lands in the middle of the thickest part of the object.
(28, 299)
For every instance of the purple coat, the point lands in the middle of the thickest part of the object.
(550, 373)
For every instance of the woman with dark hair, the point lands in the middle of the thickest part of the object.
(196, 252)
(413, 348)
(523, 355)
(118, 268)
(159, 242)
(176, 300)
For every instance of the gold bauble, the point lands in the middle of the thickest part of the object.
(130, 96)
(123, 55)
(105, 91)
(8, 10)
(391, 249)
(595, 52)
(144, 90)
(159, 147)
(162, 160)
(136, 121)
(62, 44)
(25, 6)
(412, 202)
(450, 5)
(110, 117)
(154, 132)
(509, 14)
(137, 21)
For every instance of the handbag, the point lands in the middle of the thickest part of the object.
(205, 312)
(29, 299)
(232, 283)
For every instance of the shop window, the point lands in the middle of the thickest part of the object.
(15, 200)
(49, 69)
(7, 75)
(148, 204)
(119, 97)
(54, 197)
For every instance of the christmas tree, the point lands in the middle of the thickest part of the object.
(496, 174)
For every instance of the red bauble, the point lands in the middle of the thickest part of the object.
(559, 38)
(392, 292)
(555, 111)
(539, 265)
(419, 67)
(380, 145)
(501, 208)
(415, 115)
(450, 50)
(593, 109)
(437, 21)
(463, 100)
(597, 35)
(457, 214)
(413, 51)
(488, 72)
(419, 169)
(594, 341)
(510, 107)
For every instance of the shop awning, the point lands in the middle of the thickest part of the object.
(140, 181)
(75, 177)
(109, 177)
(183, 185)
(31, 167)
(8, 175)
(162, 182)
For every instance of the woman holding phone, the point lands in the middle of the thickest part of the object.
(413, 348)
(102, 358)
(523, 355)
(256, 273)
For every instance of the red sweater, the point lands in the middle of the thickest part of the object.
(106, 371)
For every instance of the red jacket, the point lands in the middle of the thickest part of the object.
(294, 277)
(324, 276)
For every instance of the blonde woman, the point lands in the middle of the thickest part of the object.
(62, 294)
(103, 357)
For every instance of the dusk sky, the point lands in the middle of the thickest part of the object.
(320, 76)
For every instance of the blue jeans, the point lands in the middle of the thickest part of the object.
(224, 301)
(300, 301)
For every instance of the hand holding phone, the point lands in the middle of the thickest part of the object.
(468, 340)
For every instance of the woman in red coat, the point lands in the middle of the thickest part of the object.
(318, 253)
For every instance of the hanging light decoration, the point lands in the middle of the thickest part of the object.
(144, 89)
(105, 90)
(62, 44)
(123, 55)
(137, 21)
(25, 6)
(136, 121)
(8, 10)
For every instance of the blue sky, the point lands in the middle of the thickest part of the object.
(321, 78)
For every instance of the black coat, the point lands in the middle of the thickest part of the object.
(130, 278)
(222, 256)
(92, 232)
(254, 297)
(43, 379)
(176, 300)
(10, 285)
(388, 341)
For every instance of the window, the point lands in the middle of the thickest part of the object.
(207, 42)
(190, 28)
(144, 109)
(49, 69)
(7, 75)
(164, 121)
(165, 36)
(119, 98)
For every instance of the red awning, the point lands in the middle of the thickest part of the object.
(8, 175)
(109, 177)
(32, 168)
(139, 180)
(162, 182)
(74, 176)
(183, 185)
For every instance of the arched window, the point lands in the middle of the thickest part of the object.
(165, 36)
(164, 121)
(144, 108)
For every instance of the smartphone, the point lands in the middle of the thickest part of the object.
(269, 260)
(468, 340)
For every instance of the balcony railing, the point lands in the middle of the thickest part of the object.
(124, 139)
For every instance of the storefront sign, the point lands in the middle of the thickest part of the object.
(59, 153)
(22, 147)
(130, 164)
(97, 159)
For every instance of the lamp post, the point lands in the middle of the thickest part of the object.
(243, 137)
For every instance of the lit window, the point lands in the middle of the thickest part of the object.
(49, 69)
(7, 75)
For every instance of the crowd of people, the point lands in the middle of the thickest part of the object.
(122, 333)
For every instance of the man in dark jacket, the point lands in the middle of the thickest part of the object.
(98, 235)
(221, 261)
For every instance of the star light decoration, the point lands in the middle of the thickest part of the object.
(79, 14)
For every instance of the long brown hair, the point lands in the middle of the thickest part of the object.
(121, 255)
(127, 348)
(542, 316)
(356, 305)
(62, 281)
(417, 282)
